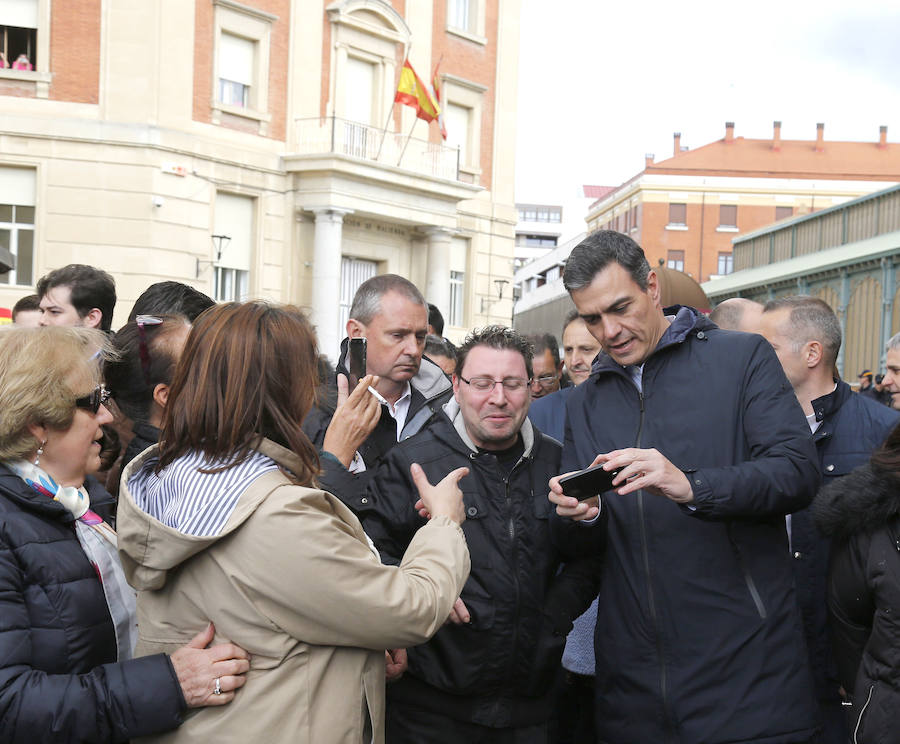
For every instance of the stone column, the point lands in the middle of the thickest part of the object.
(326, 279)
(437, 285)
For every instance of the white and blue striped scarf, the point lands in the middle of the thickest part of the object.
(190, 501)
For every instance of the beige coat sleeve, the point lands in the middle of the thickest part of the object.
(308, 568)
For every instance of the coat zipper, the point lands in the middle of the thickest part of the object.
(861, 714)
(651, 601)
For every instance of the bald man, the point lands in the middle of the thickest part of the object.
(737, 314)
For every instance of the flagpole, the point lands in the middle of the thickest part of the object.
(408, 137)
(391, 107)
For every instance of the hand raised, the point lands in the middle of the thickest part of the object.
(354, 419)
(444, 499)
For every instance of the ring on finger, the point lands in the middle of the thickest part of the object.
(218, 689)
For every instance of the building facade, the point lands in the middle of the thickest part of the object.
(848, 256)
(146, 128)
(686, 210)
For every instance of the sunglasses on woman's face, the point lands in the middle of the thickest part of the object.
(99, 396)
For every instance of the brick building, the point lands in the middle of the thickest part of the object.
(685, 210)
(145, 128)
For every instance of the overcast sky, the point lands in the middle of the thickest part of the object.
(603, 82)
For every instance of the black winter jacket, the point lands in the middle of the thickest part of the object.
(59, 679)
(430, 389)
(499, 670)
(853, 427)
(861, 513)
(698, 636)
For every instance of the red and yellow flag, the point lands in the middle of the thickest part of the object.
(411, 91)
(436, 87)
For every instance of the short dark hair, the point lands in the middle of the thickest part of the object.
(810, 318)
(367, 300)
(171, 298)
(597, 251)
(28, 302)
(542, 341)
(90, 288)
(435, 319)
(134, 372)
(496, 337)
(440, 346)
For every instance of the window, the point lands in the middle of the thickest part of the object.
(241, 71)
(458, 120)
(678, 214)
(17, 190)
(466, 18)
(236, 57)
(726, 264)
(18, 34)
(462, 118)
(458, 14)
(457, 284)
(234, 217)
(354, 271)
(542, 241)
(555, 214)
(727, 215)
(675, 260)
(553, 273)
(782, 213)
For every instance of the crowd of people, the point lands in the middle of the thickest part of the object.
(208, 532)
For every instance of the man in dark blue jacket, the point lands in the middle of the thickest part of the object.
(806, 335)
(698, 635)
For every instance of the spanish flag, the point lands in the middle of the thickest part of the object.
(436, 87)
(411, 91)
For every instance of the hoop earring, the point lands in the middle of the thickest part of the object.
(37, 459)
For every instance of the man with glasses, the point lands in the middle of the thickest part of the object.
(489, 674)
(547, 366)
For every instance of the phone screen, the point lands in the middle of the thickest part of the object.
(356, 361)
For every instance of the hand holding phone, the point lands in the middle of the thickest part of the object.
(356, 360)
(588, 482)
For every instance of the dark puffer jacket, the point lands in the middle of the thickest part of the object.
(698, 637)
(59, 680)
(500, 669)
(853, 427)
(861, 513)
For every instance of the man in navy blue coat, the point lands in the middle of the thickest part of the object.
(698, 636)
(806, 335)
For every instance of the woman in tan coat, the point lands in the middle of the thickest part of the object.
(222, 521)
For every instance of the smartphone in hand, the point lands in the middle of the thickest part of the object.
(588, 482)
(356, 361)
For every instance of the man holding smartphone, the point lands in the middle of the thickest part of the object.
(387, 327)
(698, 633)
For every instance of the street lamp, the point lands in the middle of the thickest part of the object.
(220, 243)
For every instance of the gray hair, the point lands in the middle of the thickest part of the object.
(367, 300)
(893, 343)
(597, 251)
(810, 319)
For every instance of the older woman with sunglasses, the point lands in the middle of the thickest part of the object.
(67, 620)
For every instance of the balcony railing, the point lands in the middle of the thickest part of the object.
(333, 135)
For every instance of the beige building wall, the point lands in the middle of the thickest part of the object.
(129, 183)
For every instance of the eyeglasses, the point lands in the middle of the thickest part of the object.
(143, 350)
(486, 384)
(99, 396)
(547, 381)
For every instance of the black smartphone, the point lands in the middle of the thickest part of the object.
(588, 482)
(356, 360)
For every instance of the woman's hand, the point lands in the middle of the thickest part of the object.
(198, 668)
(442, 500)
(355, 417)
